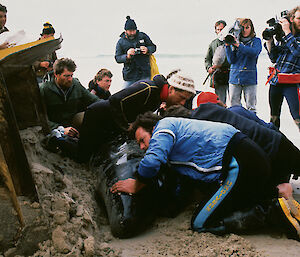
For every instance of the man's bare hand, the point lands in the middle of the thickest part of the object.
(4, 45)
(129, 186)
(130, 53)
(71, 132)
(285, 26)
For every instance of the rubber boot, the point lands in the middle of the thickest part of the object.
(275, 213)
(239, 222)
(275, 120)
(284, 220)
(294, 207)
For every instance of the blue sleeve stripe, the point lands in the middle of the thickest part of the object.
(195, 166)
(168, 131)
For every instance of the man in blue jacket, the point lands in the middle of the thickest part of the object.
(133, 49)
(212, 152)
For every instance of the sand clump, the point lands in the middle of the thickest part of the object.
(77, 226)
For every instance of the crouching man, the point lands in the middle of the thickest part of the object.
(213, 152)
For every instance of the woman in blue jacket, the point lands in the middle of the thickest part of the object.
(243, 55)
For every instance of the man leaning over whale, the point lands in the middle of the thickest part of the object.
(213, 152)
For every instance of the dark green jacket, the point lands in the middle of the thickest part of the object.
(209, 57)
(61, 107)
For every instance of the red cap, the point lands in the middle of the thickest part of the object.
(207, 97)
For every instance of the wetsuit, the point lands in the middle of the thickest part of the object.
(106, 118)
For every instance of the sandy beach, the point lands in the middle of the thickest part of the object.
(77, 226)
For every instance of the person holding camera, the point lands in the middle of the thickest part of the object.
(219, 75)
(242, 54)
(133, 49)
(285, 78)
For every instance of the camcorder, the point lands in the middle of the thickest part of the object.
(228, 34)
(275, 28)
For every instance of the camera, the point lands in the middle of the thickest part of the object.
(275, 28)
(228, 34)
(137, 50)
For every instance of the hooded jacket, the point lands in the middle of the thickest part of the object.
(243, 60)
(138, 66)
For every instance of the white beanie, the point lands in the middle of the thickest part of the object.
(182, 81)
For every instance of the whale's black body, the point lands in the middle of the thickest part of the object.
(127, 214)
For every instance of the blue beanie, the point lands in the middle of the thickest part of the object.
(129, 24)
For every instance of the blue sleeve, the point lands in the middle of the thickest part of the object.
(251, 116)
(293, 44)
(120, 56)
(231, 52)
(157, 154)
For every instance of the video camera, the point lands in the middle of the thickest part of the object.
(275, 27)
(228, 34)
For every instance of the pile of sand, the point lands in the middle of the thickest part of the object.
(78, 227)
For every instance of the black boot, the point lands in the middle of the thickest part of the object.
(275, 213)
(240, 222)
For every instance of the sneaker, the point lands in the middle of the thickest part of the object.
(294, 208)
(290, 222)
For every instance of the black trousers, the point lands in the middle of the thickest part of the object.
(285, 162)
(251, 185)
(98, 127)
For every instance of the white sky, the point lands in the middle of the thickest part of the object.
(93, 27)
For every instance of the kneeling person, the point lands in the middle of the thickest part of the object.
(210, 152)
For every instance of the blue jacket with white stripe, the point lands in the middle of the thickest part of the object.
(193, 148)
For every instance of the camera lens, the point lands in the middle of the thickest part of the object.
(229, 39)
(268, 34)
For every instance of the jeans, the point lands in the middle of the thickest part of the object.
(222, 92)
(235, 93)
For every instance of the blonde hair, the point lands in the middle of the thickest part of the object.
(292, 12)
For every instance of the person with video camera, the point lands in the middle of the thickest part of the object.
(284, 78)
(219, 75)
(133, 49)
(242, 54)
